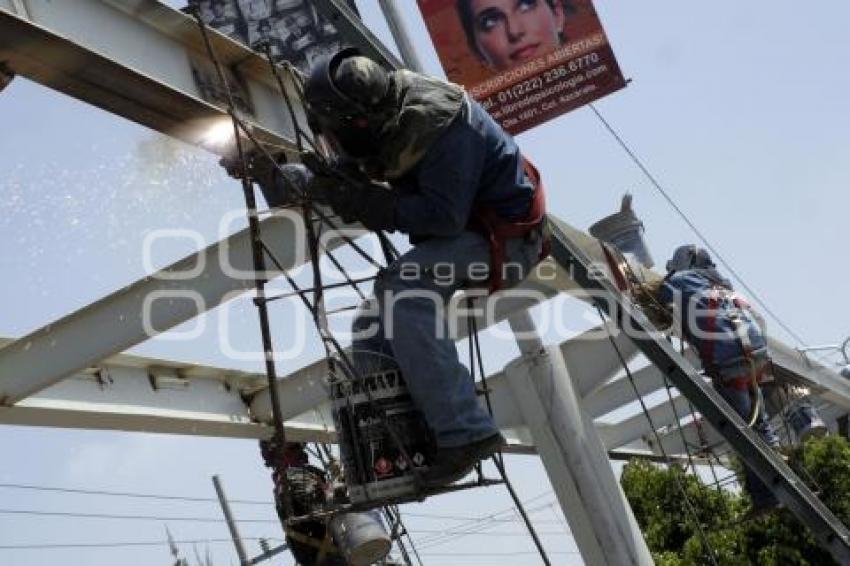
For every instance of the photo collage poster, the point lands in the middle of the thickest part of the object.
(293, 29)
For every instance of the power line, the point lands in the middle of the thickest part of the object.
(78, 515)
(495, 554)
(476, 528)
(493, 520)
(71, 514)
(482, 533)
(93, 545)
(128, 494)
(692, 226)
(481, 522)
(164, 497)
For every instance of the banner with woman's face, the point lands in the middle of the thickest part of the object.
(526, 61)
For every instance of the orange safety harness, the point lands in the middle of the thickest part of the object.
(758, 370)
(498, 231)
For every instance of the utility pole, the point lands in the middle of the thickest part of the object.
(234, 532)
(231, 524)
(398, 29)
(175, 552)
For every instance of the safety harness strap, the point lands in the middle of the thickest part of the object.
(498, 231)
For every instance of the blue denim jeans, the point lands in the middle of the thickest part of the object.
(741, 401)
(404, 323)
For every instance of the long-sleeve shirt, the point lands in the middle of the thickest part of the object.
(473, 163)
(712, 318)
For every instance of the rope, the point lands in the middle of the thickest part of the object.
(498, 459)
(688, 504)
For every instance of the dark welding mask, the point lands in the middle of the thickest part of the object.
(344, 94)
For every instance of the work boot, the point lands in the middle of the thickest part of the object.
(451, 464)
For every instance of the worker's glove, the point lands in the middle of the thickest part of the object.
(258, 167)
(372, 205)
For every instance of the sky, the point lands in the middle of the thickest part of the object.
(738, 109)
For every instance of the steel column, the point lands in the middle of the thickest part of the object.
(575, 460)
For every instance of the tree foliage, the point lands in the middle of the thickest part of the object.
(735, 538)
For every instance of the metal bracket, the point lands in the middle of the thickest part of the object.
(167, 378)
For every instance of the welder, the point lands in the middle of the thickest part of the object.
(441, 170)
(728, 336)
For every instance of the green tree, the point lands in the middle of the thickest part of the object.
(773, 539)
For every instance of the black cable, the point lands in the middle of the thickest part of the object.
(129, 494)
(477, 527)
(349, 281)
(688, 505)
(259, 264)
(393, 515)
(692, 226)
(498, 459)
(113, 516)
(667, 387)
(495, 554)
(93, 545)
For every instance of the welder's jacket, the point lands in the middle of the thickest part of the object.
(448, 158)
(714, 319)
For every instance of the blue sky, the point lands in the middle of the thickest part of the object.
(739, 109)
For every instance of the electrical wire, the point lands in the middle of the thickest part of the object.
(494, 554)
(94, 545)
(111, 516)
(452, 534)
(655, 183)
(136, 495)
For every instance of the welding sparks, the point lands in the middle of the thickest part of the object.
(219, 135)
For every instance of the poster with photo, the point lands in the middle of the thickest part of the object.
(293, 29)
(525, 61)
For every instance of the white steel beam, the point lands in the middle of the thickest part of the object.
(620, 392)
(575, 460)
(638, 427)
(131, 393)
(138, 59)
(695, 433)
(148, 306)
(791, 365)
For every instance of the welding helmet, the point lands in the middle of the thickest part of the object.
(344, 94)
(689, 257)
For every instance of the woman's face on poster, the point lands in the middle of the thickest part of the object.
(510, 32)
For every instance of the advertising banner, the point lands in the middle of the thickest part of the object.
(525, 61)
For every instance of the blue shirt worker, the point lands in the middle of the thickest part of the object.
(726, 335)
(453, 180)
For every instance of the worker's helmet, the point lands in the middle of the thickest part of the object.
(689, 257)
(343, 93)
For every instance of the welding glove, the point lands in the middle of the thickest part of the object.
(372, 205)
(258, 167)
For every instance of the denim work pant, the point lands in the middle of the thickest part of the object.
(741, 401)
(404, 323)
